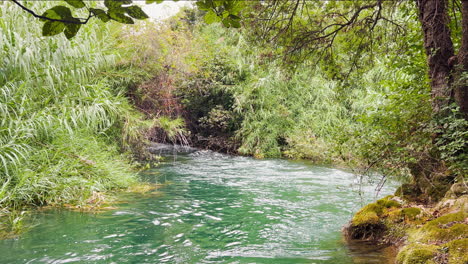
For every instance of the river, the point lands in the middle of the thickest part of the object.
(211, 208)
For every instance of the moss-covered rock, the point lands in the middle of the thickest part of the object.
(417, 254)
(410, 213)
(442, 229)
(456, 190)
(370, 213)
(387, 202)
(429, 240)
(458, 251)
(367, 224)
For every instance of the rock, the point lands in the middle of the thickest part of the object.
(167, 149)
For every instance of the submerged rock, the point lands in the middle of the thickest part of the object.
(167, 149)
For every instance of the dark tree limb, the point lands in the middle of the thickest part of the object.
(80, 21)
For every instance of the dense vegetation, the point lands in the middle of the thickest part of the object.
(75, 112)
(363, 106)
(65, 123)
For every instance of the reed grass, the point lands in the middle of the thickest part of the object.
(62, 121)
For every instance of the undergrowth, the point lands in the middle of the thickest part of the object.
(67, 129)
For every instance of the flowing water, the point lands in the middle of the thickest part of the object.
(212, 208)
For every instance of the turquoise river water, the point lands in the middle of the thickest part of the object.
(212, 208)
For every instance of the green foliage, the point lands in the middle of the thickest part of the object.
(60, 124)
(319, 111)
(60, 18)
(173, 128)
(226, 12)
(452, 140)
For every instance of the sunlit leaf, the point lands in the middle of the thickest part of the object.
(76, 3)
(211, 17)
(136, 12)
(101, 14)
(154, 1)
(71, 30)
(52, 28)
(58, 12)
(120, 17)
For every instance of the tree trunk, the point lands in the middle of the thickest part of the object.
(429, 172)
(439, 49)
(461, 84)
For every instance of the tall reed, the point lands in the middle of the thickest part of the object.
(60, 125)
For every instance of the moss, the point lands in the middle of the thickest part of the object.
(410, 213)
(457, 250)
(448, 218)
(370, 213)
(417, 254)
(387, 202)
(442, 229)
(394, 216)
(365, 217)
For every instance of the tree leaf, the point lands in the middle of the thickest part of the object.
(111, 4)
(232, 16)
(226, 22)
(203, 5)
(52, 28)
(154, 1)
(235, 23)
(101, 14)
(71, 29)
(58, 12)
(136, 12)
(211, 17)
(119, 16)
(76, 3)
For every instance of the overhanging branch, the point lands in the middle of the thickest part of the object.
(80, 21)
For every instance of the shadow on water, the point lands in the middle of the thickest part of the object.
(214, 208)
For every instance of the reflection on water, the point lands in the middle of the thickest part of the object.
(214, 209)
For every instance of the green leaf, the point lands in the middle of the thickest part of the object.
(211, 17)
(119, 16)
(226, 23)
(232, 16)
(111, 4)
(154, 1)
(203, 5)
(71, 29)
(76, 3)
(101, 14)
(136, 12)
(235, 23)
(58, 12)
(52, 28)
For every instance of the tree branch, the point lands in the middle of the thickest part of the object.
(81, 21)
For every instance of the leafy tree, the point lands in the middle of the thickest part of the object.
(305, 27)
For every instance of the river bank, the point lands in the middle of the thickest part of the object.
(436, 233)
